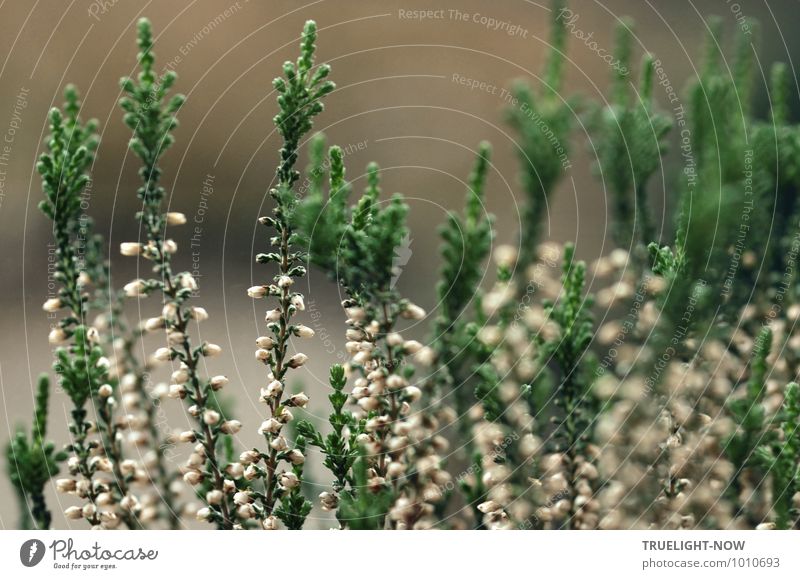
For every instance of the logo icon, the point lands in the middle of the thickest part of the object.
(32, 552)
(401, 258)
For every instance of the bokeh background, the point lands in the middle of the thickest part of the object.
(399, 102)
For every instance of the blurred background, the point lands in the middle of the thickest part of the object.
(414, 94)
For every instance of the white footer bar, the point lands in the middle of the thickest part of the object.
(389, 555)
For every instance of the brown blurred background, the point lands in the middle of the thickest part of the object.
(398, 102)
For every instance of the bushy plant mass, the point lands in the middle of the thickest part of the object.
(663, 399)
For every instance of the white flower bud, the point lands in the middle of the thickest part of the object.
(52, 305)
(270, 426)
(170, 246)
(297, 360)
(329, 501)
(74, 513)
(251, 472)
(135, 288)
(300, 400)
(257, 291)
(279, 443)
(490, 507)
(413, 312)
(187, 436)
(188, 282)
(169, 311)
(395, 382)
(262, 355)
(210, 350)
(302, 331)
(274, 389)
(270, 523)
(285, 281)
(153, 324)
(288, 480)
(231, 426)
(235, 470)
(272, 316)
(57, 336)
(242, 498)
(66, 485)
(211, 417)
(199, 314)
(175, 218)
(193, 477)
(130, 249)
(295, 457)
(249, 456)
(265, 343)
(214, 497)
(177, 391)
(412, 347)
(246, 512)
(105, 391)
(204, 514)
(412, 393)
(163, 354)
(298, 302)
(218, 382)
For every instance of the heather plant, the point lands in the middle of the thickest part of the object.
(32, 462)
(300, 93)
(572, 395)
(151, 117)
(629, 143)
(543, 121)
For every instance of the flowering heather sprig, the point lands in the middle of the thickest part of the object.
(151, 117)
(32, 462)
(300, 93)
(82, 365)
(356, 245)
